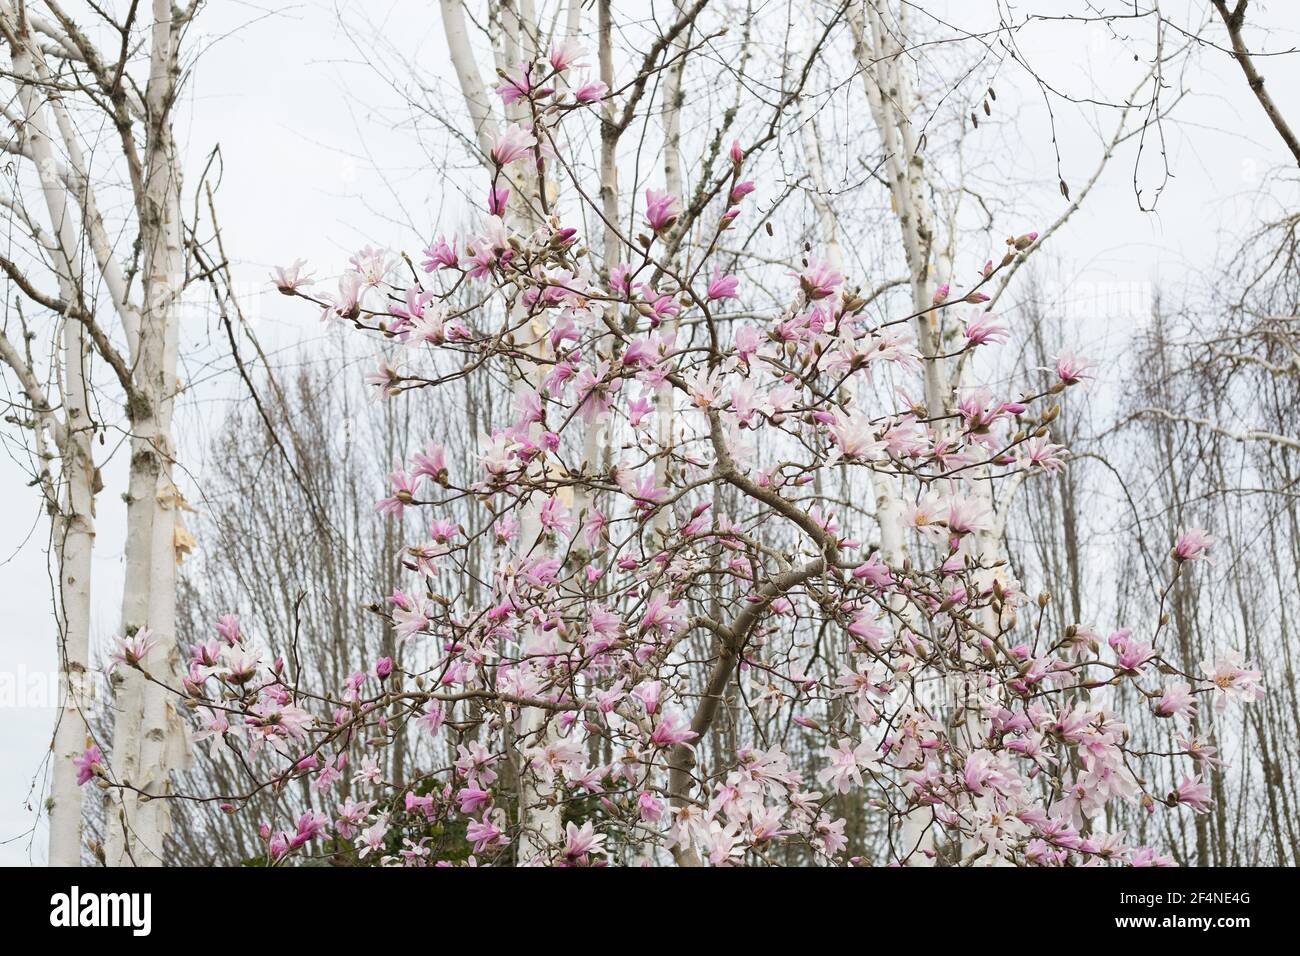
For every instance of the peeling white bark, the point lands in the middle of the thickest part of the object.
(892, 101)
(672, 126)
(467, 75)
(539, 819)
(73, 531)
(149, 739)
(74, 538)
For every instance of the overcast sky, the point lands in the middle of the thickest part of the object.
(314, 164)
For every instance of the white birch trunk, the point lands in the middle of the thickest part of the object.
(664, 395)
(467, 75)
(74, 538)
(149, 739)
(74, 531)
(539, 820)
(891, 98)
(892, 101)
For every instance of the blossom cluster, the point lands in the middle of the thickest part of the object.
(665, 561)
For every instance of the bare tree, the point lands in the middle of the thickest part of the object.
(111, 239)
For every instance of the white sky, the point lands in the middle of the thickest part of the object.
(290, 102)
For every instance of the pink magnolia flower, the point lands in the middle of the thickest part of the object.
(747, 342)
(706, 387)
(409, 621)
(403, 488)
(89, 765)
(371, 266)
(867, 630)
(1072, 369)
(516, 84)
(1131, 653)
(239, 664)
(483, 834)
(1200, 750)
(514, 143)
(984, 772)
(740, 191)
(472, 799)
(986, 328)
(1192, 544)
(228, 628)
(818, 280)
(555, 516)
(431, 462)
(595, 388)
(386, 379)
(649, 694)
(432, 718)
(591, 92)
(1041, 453)
(288, 279)
(1177, 700)
(637, 409)
(980, 410)
(566, 54)
(440, 255)
(661, 209)
(580, 842)
(1145, 856)
(475, 764)
(766, 824)
(1233, 680)
(964, 515)
(855, 435)
(876, 571)
(662, 615)
(1193, 792)
(132, 650)
(722, 287)
(846, 763)
(310, 825)
(372, 838)
(649, 809)
(671, 729)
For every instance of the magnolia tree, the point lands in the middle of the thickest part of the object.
(682, 588)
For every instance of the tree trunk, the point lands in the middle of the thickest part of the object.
(74, 530)
(74, 539)
(149, 740)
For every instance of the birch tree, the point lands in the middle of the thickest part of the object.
(119, 279)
